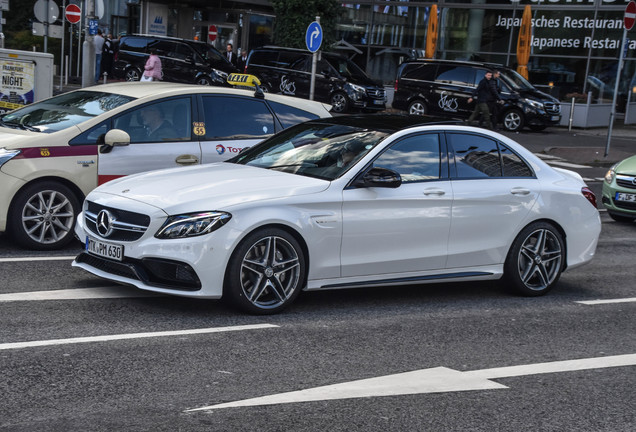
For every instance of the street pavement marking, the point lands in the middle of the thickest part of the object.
(108, 338)
(77, 294)
(42, 258)
(434, 380)
(608, 301)
(566, 164)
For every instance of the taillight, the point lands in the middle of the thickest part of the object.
(395, 88)
(589, 195)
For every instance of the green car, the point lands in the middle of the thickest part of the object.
(619, 190)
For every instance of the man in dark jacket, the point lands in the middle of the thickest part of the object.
(494, 105)
(485, 94)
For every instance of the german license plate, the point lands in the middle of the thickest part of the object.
(555, 118)
(378, 102)
(620, 196)
(105, 250)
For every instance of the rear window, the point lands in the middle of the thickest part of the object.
(136, 44)
(289, 115)
(419, 71)
(228, 117)
(458, 75)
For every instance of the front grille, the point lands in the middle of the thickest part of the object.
(127, 225)
(626, 181)
(552, 108)
(627, 205)
(151, 271)
(377, 93)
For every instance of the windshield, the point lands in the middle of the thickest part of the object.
(347, 68)
(516, 81)
(323, 150)
(62, 111)
(208, 52)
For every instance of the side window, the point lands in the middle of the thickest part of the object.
(94, 135)
(135, 44)
(228, 117)
(513, 165)
(416, 158)
(182, 52)
(289, 116)
(167, 120)
(417, 71)
(475, 156)
(458, 75)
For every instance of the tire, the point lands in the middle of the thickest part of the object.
(339, 102)
(620, 218)
(202, 80)
(266, 272)
(535, 260)
(42, 216)
(513, 120)
(132, 74)
(418, 107)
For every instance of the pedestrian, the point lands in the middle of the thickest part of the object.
(152, 69)
(494, 105)
(241, 63)
(108, 54)
(98, 43)
(229, 54)
(484, 96)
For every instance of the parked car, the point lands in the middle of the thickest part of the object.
(619, 191)
(443, 87)
(348, 201)
(182, 60)
(52, 153)
(339, 81)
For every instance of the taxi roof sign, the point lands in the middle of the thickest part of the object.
(245, 80)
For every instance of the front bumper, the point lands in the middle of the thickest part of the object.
(621, 208)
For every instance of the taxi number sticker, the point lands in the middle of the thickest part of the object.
(198, 128)
(44, 152)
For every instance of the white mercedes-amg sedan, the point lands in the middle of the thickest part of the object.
(352, 201)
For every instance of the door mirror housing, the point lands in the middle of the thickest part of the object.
(116, 137)
(378, 177)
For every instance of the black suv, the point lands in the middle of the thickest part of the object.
(442, 87)
(339, 81)
(182, 60)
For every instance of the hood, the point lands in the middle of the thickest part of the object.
(218, 186)
(537, 94)
(627, 166)
(17, 138)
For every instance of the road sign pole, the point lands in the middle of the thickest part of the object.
(88, 49)
(314, 62)
(62, 51)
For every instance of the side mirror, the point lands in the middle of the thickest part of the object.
(379, 177)
(116, 137)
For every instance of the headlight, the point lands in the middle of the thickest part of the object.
(356, 88)
(535, 104)
(610, 175)
(7, 155)
(221, 74)
(192, 224)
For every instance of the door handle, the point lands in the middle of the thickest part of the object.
(434, 191)
(520, 191)
(187, 159)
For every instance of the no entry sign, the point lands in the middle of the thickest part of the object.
(630, 15)
(212, 32)
(73, 13)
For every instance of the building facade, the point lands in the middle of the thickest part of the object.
(575, 43)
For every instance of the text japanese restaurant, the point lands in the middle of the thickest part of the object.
(574, 45)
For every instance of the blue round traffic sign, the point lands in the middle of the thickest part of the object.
(313, 37)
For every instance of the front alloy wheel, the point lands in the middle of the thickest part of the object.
(339, 103)
(535, 260)
(43, 216)
(513, 121)
(132, 74)
(266, 272)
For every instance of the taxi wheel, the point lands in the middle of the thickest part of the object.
(339, 102)
(535, 260)
(417, 107)
(132, 74)
(266, 272)
(42, 216)
(513, 120)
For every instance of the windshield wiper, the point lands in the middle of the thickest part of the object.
(19, 126)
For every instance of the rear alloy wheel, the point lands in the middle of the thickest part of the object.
(535, 260)
(43, 216)
(513, 120)
(266, 272)
(339, 102)
(132, 74)
(417, 107)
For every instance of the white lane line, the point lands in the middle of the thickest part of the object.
(108, 338)
(77, 294)
(607, 301)
(435, 380)
(42, 258)
(567, 164)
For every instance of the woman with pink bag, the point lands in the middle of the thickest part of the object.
(152, 68)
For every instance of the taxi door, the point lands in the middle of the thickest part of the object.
(161, 136)
(230, 124)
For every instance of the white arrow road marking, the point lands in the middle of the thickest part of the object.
(17, 345)
(43, 258)
(607, 301)
(435, 380)
(77, 294)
